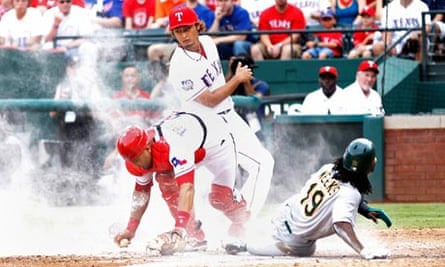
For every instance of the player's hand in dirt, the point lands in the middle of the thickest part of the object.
(125, 234)
(379, 253)
(169, 242)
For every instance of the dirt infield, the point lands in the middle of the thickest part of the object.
(414, 247)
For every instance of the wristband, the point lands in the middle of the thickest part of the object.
(133, 224)
(182, 218)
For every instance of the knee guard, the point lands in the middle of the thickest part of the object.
(221, 198)
(169, 190)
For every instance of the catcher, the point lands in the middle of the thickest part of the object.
(327, 205)
(170, 151)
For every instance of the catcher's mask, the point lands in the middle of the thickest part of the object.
(360, 156)
(133, 142)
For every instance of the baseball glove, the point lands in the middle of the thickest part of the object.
(169, 242)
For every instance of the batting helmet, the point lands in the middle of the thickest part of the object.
(133, 141)
(359, 156)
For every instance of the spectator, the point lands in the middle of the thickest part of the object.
(21, 27)
(327, 205)
(402, 14)
(44, 5)
(255, 8)
(360, 97)
(346, 11)
(162, 51)
(162, 9)
(327, 44)
(437, 29)
(327, 99)
(231, 17)
(78, 130)
(254, 87)
(5, 5)
(131, 90)
(281, 16)
(138, 14)
(378, 6)
(363, 40)
(311, 10)
(67, 19)
(106, 17)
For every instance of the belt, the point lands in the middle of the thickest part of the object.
(224, 112)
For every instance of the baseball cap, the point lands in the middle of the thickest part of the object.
(328, 69)
(182, 16)
(368, 65)
(368, 11)
(327, 13)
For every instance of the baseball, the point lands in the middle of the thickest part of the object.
(124, 243)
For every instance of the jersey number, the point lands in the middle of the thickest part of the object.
(314, 197)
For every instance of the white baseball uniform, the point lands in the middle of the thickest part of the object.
(400, 17)
(356, 102)
(318, 103)
(309, 216)
(185, 133)
(191, 74)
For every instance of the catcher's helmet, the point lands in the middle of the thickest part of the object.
(360, 156)
(133, 141)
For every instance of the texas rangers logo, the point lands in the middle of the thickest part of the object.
(187, 85)
(178, 162)
(179, 15)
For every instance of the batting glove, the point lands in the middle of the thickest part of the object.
(381, 214)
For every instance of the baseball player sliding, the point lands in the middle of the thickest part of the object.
(327, 205)
(170, 152)
(197, 75)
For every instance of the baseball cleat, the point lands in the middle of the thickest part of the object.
(235, 247)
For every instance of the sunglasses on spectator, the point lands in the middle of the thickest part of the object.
(64, 1)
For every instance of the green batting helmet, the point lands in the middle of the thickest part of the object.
(359, 156)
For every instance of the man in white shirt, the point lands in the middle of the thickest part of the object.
(327, 99)
(360, 97)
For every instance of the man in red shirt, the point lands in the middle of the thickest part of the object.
(138, 14)
(281, 16)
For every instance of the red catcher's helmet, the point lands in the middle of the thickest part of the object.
(133, 141)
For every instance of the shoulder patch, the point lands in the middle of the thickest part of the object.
(187, 85)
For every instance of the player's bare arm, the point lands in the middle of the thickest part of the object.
(140, 200)
(346, 232)
(211, 99)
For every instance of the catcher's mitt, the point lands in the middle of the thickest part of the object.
(169, 242)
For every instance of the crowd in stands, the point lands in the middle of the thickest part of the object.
(34, 24)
